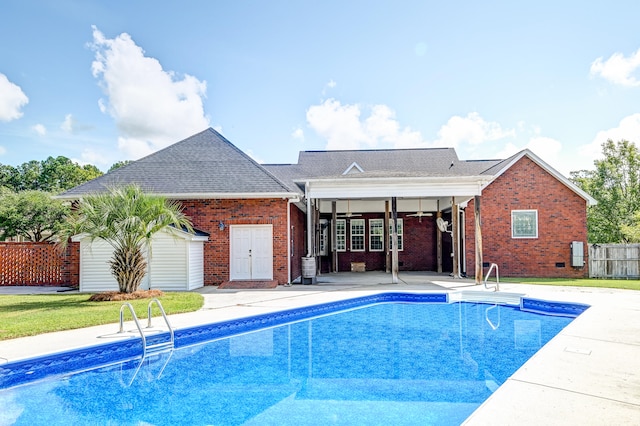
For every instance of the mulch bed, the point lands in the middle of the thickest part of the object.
(114, 296)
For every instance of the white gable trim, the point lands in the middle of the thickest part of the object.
(533, 157)
(354, 167)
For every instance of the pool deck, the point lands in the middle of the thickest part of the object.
(589, 374)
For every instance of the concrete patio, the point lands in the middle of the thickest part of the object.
(588, 374)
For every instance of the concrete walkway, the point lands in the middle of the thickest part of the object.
(589, 374)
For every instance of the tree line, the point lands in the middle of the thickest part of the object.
(27, 208)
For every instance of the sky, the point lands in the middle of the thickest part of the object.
(104, 81)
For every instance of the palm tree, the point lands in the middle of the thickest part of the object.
(126, 218)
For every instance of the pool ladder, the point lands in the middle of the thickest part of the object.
(148, 348)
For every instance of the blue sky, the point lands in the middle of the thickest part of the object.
(103, 81)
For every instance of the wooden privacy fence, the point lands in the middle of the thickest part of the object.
(38, 264)
(614, 260)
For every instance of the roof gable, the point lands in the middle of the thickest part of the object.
(504, 165)
(205, 165)
(353, 168)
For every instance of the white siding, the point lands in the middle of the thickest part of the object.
(196, 264)
(168, 268)
(95, 274)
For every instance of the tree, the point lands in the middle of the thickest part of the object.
(8, 177)
(118, 164)
(60, 173)
(33, 215)
(615, 184)
(632, 232)
(126, 218)
(51, 175)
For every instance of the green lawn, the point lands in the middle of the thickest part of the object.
(28, 315)
(577, 282)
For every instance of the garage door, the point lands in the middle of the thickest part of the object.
(251, 252)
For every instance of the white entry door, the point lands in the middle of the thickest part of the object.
(251, 252)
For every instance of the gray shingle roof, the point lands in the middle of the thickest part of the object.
(429, 162)
(205, 163)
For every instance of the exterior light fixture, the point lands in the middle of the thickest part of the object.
(221, 225)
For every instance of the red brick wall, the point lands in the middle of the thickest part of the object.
(419, 252)
(207, 214)
(562, 218)
(39, 264)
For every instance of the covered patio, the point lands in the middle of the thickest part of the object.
(390, 223)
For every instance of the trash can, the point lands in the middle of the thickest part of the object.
(308, 270)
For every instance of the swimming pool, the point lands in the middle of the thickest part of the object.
(384, 359)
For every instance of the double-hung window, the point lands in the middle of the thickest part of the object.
(400, 230)
(376, 234)
(357, 235)
(524, 223)
(341, 235)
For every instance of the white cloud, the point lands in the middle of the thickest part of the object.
(39, 129)
(618, 69)
(343, 128)
(298, 134)
(546, 148)
(628, 129)
(90, 156)
(152, 108)
(252, 154)
(12, 100)
(68, 123)
(339, 124)
(2, 150)
(330, 85)
(471, 129)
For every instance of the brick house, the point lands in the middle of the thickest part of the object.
(533, 220)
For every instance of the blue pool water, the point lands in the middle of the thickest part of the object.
(386, 363)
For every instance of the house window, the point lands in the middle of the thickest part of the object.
(357, 234)
(524, 224)
(376, 234)
(341, 235)
(400, 230)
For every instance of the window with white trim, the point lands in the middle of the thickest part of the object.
(341, 235)
(400, 229)
(376, 234)
(524, 223)
(357, 234)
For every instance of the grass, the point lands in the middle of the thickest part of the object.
(28, 315)
(576, 282)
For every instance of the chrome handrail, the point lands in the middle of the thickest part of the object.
(497, 286)
(135, 319)
(164, 316)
